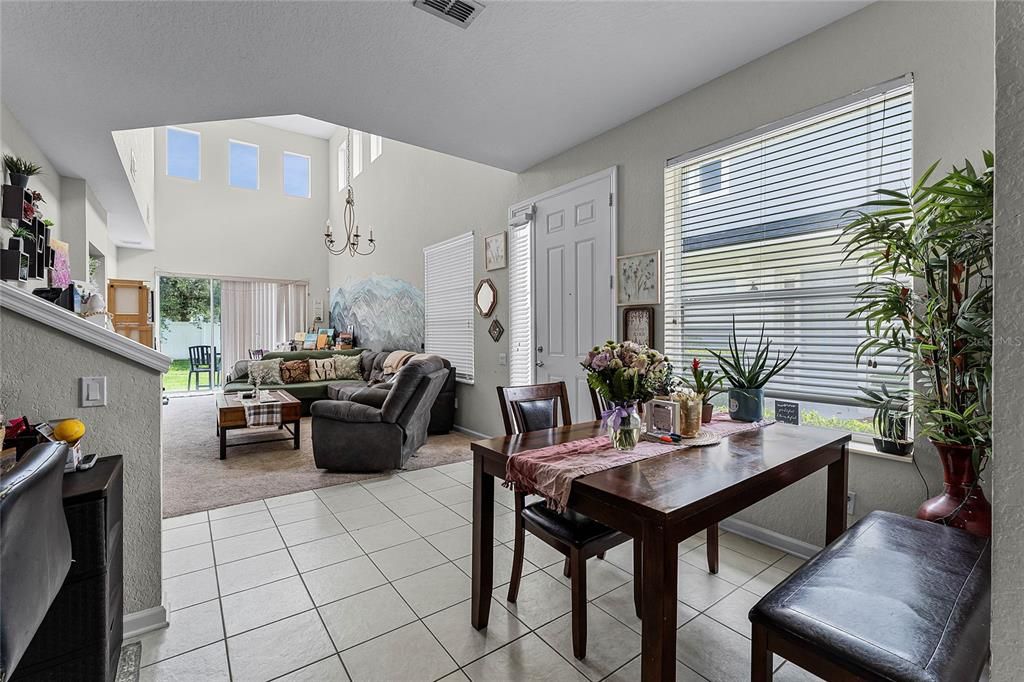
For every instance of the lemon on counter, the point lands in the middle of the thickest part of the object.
(70, 430)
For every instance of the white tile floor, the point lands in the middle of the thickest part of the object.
(371, 581)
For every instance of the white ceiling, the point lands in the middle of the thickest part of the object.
(525, 81)
(296, 123)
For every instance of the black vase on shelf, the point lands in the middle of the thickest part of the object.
(19, 180)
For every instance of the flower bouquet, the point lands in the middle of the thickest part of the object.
(625, 374)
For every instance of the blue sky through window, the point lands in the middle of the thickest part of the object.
(244, 165)
(183, 153)
(296, 175)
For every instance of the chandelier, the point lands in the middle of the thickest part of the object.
(352, 236)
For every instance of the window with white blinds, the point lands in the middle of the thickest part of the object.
(448, 303)
(752, 231)
(520, 313)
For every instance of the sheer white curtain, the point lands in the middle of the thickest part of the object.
(259, 314)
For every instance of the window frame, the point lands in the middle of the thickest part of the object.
(376, 147)
(199, 153)
(343, 165)
(461, 250)
(357, 154)
(679, 299)
(309, 175)
(231, 142)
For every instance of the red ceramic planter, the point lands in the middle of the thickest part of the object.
(975, 512)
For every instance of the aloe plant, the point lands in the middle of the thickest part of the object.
(750, 370)
(16, 164)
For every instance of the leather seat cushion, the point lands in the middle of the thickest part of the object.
(572, 528)
(902, 598)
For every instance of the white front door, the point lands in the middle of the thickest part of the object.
(573, 304)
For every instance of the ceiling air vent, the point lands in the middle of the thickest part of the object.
(458, 12)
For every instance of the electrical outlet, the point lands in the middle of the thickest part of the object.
(851, 502)
(502, 359)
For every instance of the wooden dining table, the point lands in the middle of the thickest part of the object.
(663, 500)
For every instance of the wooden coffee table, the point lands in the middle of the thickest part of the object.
(231, 415)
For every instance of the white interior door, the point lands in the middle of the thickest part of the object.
(573, 304)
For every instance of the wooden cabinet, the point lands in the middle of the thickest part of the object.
(128, 301)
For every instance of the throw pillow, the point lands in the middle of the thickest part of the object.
(265, 372)
(322, 370)
(347, 367)
(295, 371)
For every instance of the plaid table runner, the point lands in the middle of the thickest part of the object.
(549, 472)
(262, 414)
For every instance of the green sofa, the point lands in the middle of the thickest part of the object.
(307, 391)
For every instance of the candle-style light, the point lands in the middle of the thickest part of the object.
(352, 235)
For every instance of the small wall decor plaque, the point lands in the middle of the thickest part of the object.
(496, 330)
(638, 325)
(495, 253)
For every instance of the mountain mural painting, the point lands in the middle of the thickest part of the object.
(385, 313)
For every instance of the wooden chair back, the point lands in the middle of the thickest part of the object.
(531, 408)
(256, 354)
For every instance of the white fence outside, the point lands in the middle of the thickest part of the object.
(180, 335)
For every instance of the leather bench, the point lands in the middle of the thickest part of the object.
(893, 598)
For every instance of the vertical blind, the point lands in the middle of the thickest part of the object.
(448, 303)
(520, 314)
(753, 231)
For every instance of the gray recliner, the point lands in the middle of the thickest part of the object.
(374, 430)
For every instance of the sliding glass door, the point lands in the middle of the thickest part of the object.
(190, 332)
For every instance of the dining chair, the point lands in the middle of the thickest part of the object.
(200, 361)
(578, 537)
(256, 353)
(600, 406)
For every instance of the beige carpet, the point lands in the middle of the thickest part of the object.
(195, 478)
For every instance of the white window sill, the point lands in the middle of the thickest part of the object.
(857, 448)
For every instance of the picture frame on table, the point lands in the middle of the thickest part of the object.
(638, 278)
(661, 416)
(495, 252)
(638, 324)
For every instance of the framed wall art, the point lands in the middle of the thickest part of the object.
(495, 253)
(638, 324)
(638, 279)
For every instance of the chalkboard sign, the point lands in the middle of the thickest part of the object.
(787, 412)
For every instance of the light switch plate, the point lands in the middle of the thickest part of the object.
(92, 392)
(502, 359)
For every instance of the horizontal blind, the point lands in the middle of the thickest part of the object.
(753, 230)
(448, 303)
(520, 315)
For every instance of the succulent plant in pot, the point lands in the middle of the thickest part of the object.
(19, 235)
(748, 372)
(20, 170)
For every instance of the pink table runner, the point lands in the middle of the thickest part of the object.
(549, 472)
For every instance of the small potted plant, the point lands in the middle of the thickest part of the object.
(23, 267)
(705, 383)
(892, 419)
(748, 374)
(19, 235)
(20, 170)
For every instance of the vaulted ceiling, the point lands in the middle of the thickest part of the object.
(525, 81)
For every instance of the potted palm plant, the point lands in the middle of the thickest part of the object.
(20, 170)
(929, 300)
(748, 373)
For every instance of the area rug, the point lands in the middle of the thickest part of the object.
(128, 664)
(195, 478)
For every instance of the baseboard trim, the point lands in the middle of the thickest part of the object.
(470, 432)
(139, 623)
(804, 550)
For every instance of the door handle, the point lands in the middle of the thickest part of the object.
(540, 363)
(540, 349)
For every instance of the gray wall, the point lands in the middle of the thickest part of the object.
(948, 47)
(211, 228)
(39, 371)
(1007, 464)
(414, 197)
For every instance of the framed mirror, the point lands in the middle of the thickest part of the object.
(486, 297)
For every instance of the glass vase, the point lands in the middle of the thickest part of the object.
(624, 426)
